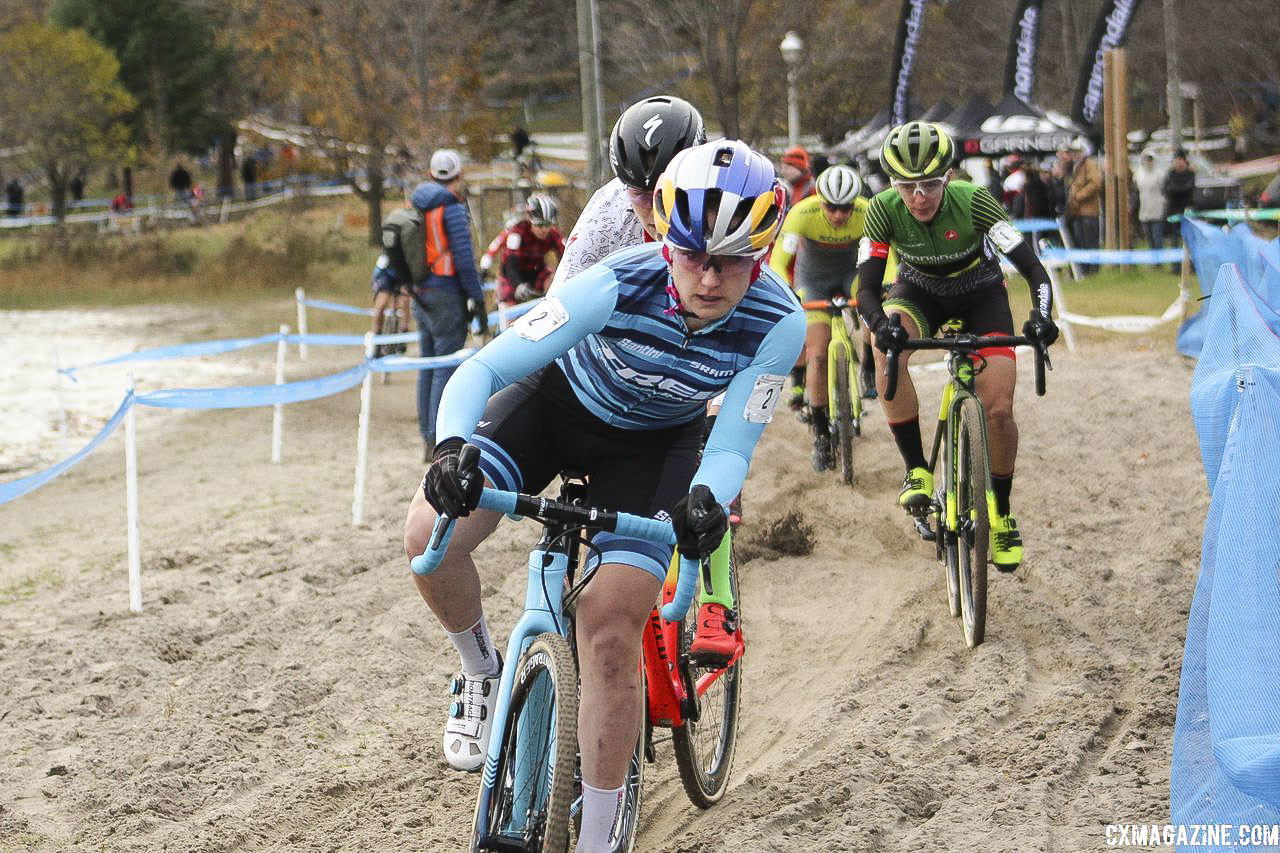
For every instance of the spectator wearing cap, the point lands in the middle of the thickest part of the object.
(1084, 201)
(450, 295)
(796, 172)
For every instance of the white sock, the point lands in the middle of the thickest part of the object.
(599, 814)
(476, 649)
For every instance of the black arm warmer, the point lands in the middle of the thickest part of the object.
(870, 281)
(1037, 278)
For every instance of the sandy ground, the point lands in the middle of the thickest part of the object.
(284, 687)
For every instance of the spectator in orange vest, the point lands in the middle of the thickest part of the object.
(450, 294)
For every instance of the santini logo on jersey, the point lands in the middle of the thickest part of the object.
(653, 352)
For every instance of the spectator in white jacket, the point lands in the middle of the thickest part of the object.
(1148, 179)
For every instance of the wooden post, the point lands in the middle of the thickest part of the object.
(1115, 124)
(1109, 208)
(1124, 220)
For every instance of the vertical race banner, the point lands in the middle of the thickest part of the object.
(1109, 32)
(1020, 67)
(904, 59)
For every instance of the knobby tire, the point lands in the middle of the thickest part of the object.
(843, 405)
(705, 772)
(972, 476)
(531, 801)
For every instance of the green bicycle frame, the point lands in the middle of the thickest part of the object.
(840, 338)
(954, 393)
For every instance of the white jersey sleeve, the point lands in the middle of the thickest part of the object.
(606, 225)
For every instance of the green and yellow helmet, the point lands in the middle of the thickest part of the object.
(917, 150)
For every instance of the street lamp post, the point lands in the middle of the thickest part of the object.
(792, 49)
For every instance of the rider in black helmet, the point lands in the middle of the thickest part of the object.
(649, 134)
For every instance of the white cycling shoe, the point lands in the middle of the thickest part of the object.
(466, 734)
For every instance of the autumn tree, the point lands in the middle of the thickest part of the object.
(171, 61)
(62, 103)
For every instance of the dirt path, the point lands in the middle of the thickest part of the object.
(284, 687)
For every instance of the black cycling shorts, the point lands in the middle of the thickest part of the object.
(983, 312)
(535, 429)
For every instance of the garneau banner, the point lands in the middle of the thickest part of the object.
(1113, 25)
(1020, 68)
(904, 58)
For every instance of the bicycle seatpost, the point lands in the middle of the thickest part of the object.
(891, 363)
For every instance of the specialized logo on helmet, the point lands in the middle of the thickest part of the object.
(952, 235)
(651, 124)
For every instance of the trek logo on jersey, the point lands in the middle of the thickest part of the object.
(667, 384)
(951, 235)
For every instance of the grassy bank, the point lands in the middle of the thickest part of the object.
(322, 247)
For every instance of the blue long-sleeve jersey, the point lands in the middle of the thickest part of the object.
(631, 360)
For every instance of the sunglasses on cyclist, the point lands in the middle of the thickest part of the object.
(838, 208)
(929, 186)
(720, 263)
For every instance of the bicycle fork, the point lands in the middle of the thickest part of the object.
(542, 614)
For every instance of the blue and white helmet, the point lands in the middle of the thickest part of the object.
(721, 198)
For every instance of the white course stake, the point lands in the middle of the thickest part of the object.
(299, 296)
(62, 405)
(131, 507)
(277, 417)
(362, 436)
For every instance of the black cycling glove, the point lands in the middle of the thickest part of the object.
(1040, 329)
(889, 336)
(475, 309)
(700, 523)
(449, 490)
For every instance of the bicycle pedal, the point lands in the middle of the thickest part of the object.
(924, 528)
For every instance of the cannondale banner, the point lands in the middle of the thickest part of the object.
(1020, 68)
(904, 58)
(1113, 25)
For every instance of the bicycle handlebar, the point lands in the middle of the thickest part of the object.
(548, 509)
(835, 303)
(964, 343)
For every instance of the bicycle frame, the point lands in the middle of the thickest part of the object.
(954, 393)
(669, 687)
(840, 338)
(542, 614)
(550, 561)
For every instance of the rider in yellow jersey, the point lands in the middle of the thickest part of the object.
(817, 254)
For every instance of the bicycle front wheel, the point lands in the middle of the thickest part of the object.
(842, 407)
(974, 530)
(533, 786)
(704, 747)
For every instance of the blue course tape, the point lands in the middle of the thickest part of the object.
(1113, 256)
(337, 306)
(1033, 226)
(19, 487)
(402, 363)
(245, 396)
(179, 351)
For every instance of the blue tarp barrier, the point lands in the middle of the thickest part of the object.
(1226, 748)
(1211, 247)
